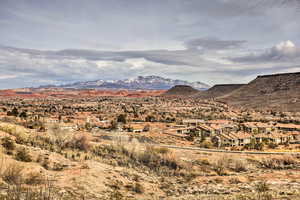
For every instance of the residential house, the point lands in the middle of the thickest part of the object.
(136, 127)
(205, 131)
(235, 139)
(193, 122)
(275, 137)
(257, 127)
(287, 127)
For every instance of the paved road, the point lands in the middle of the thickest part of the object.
(225, 151)
(149, 142)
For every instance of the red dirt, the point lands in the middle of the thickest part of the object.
(60, 93)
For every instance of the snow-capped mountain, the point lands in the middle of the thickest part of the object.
(139, 83)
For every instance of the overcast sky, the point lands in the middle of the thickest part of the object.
(213, 41)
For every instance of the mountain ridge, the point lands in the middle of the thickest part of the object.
(151, 82)
(275, 91)
(181, 90)
(217, 91)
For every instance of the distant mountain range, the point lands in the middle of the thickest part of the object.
(139, 83)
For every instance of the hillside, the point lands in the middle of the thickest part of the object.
(181, 90)
(110, 168)
(277, 92)
(139, 83)
(217, 91)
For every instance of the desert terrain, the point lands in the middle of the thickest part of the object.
(87, 144)
(149, 100)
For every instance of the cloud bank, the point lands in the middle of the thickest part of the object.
(36, 67)
(285, 51)
(215, 41)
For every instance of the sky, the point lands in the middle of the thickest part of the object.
(217, 41)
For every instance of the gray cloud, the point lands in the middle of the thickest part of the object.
(136, 25)
(213, 44)
(29, 67)
(133, 37)
(170, 57)
(283, 52)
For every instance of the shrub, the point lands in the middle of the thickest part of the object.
(23, 155)
(235, 180)
(189, 175)
(272, 145)
(239, 165)
(14, 112)
(19, 191)
(113, 125)
(150, 118)
(262, 187)
(146, 128)
(155, 160)
(218, 180)
(82, 143)
(220, 166)
(13, 174)
(21, 137)
(34, 178)
(162, 150)
(116, 195)
(137, 187)
(8, 144)
(46, 163)
(122, 118)
(152, 159)
(288, 160)
(259, 146)
(278, 162)
(206, 144)
(203, 161)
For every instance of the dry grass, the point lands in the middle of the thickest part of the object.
(136, 187)
(13, 174)
(80, 142)
(34, 178)
(18, 132)
(154, 162)
(235, 180)
(22, 186)
(159, 160)
(221, 165)
(239, 165)
(206, 144)
(21, 192)
(279, 162)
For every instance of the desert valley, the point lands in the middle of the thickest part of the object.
(149, 100)
(224, 142)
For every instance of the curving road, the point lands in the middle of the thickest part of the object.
(226, 151)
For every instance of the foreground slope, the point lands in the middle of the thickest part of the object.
(111, 169)
(217, 91)
(277, 92)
